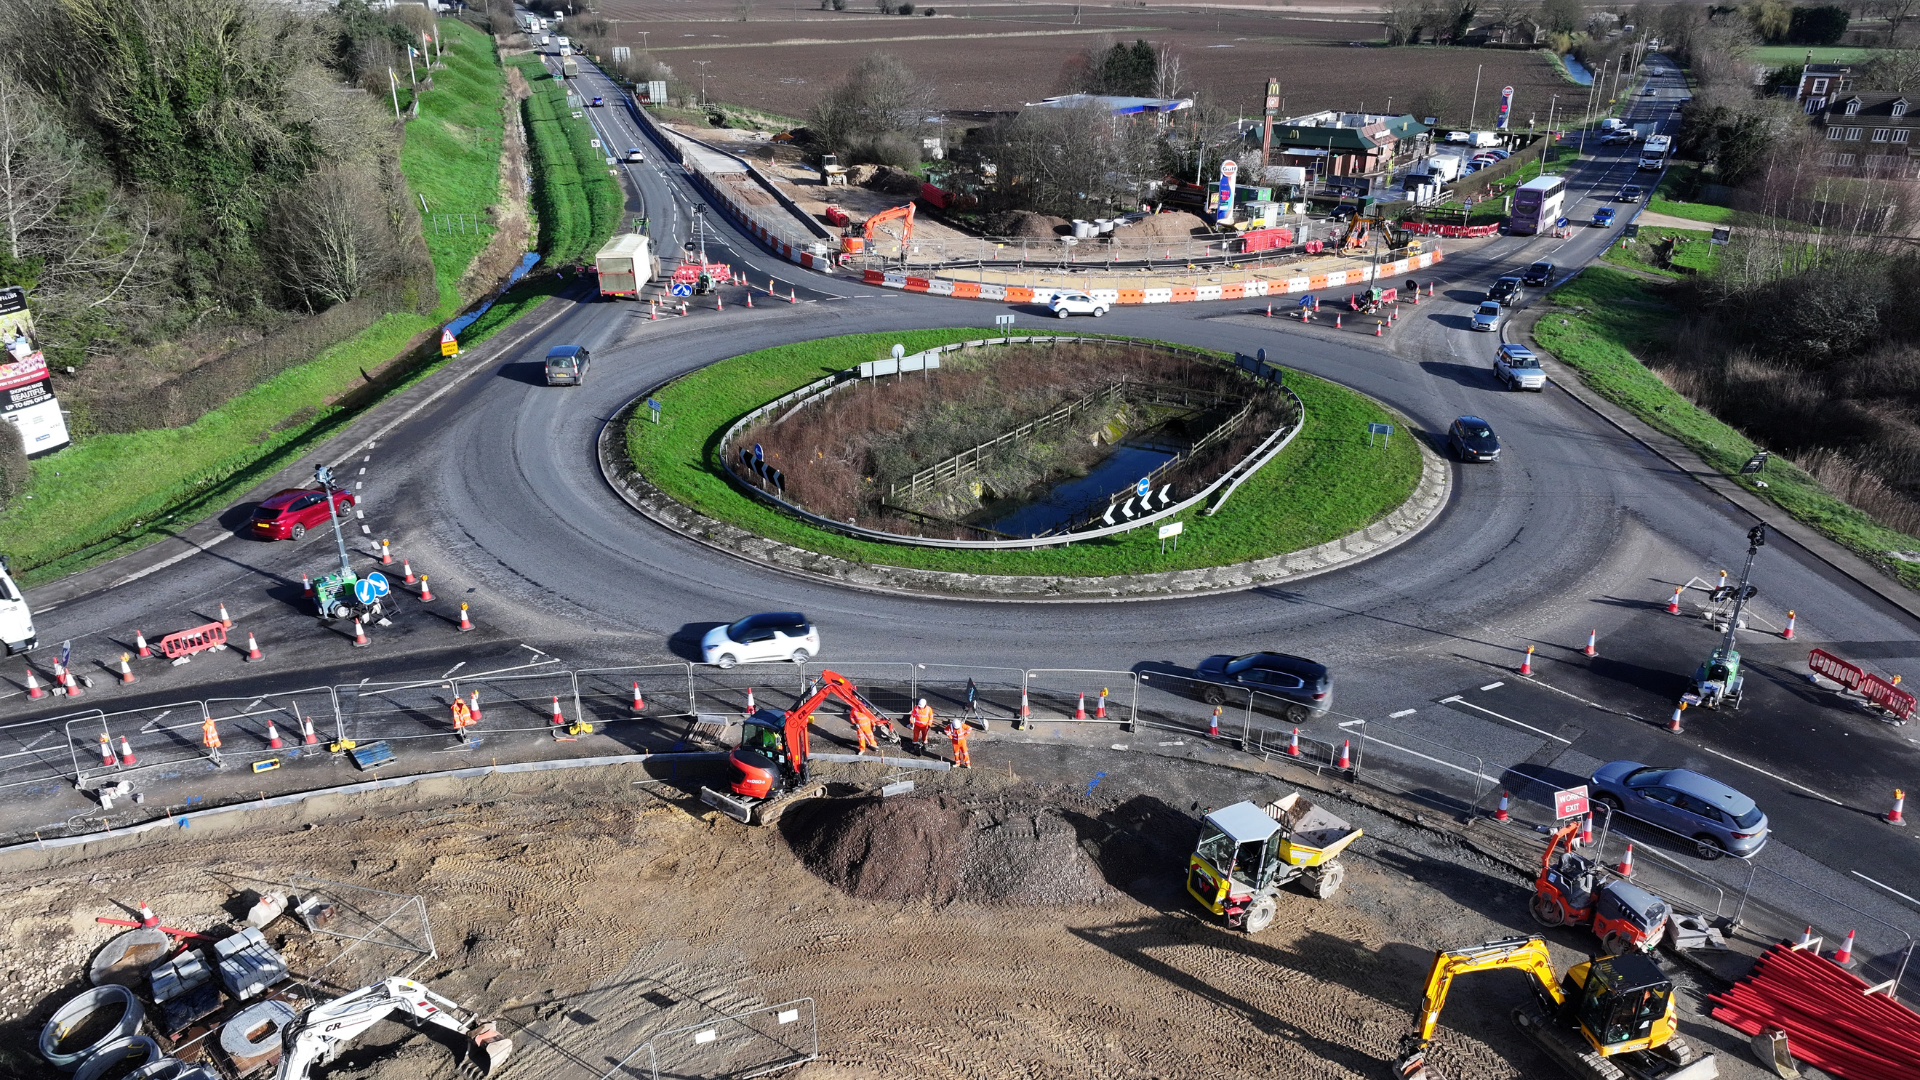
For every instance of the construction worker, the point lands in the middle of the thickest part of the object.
(863, 726)
(957, 731)
(922, 718)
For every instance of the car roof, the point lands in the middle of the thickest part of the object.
(1473, 420)
(1276, 661)
(1708, 789)
(564, 350)
(1509, 277)
(1244, 822)
(280, 499)
(1540, 264)
(776, 618)
(1511, 349)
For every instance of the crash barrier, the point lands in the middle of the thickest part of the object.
(744, 1044)
(1889, 698)
(767, 488)
(199, 639)
(1176, 294)
(1427, 228)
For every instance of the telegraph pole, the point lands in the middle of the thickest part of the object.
(1474, 113)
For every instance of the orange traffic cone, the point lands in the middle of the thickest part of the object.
(749, 297)
(1896, 816)
(653, 312)
(126, 752)
(147, 918)
(1025, 713)
(273, 736)
(1673, 605)
(1526, 666)
(473, 705)
(1293, 744)
(126, 673)
(360, 635)
(1346, 755)
(386, 554)
(1586, 831)
(33, 686)
(793, 296)
(1592, 639)
(426, 594)
(1787, 634)
(140, 645)
(73, 685)
(406, 567)
(225, 620)
(639, 703)
(1502, 814)
(1625, 868)
(465, 624)
(558, 718)
(1673, 725)
(1376, 327)
(1080, 711)
(307, 735)
(253, 649)
(1213, 724)
(1100, 705)
(306, 585)
(1336, 320)
(1844, 955)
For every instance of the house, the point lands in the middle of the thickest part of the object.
(1333, 144)
(1870, 132)
(1820, 83)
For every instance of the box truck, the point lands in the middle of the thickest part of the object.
(626, 264)
(569, 68)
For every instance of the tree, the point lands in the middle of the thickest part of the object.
(1560, 16)
(1125, 70)
(1509, 14)
(333, 238)
(1823, 25)
(1897, 70)
(1167, 81)
(879, 97)
(1403, 20)
(1770, 19)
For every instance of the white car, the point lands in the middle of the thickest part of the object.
(775, 635)
(1487, 316)
(1073, 303)
(634, 154)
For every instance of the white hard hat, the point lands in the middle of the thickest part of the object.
(923, 702)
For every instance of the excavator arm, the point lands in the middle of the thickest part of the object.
(903, 212)
(1529, 954)
(832, 685)
(326, 1029)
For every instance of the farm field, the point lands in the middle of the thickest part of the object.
(982, 58)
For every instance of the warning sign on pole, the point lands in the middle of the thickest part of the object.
(1570, 803)
(448, 346)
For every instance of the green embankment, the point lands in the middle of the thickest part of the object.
(1690, 254)
(578, 201)
(1326, 484)
(1603, 318)
(111, 494)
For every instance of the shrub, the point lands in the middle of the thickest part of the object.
(14, 471)
(907, 8)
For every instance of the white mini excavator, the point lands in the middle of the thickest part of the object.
(325, 1029)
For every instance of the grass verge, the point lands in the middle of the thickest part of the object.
(1689, 254)
(1326, 484)
(1670, 198)
(1603, 318)
(578, 202)
(451, 156)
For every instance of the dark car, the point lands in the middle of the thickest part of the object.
(1715, 818)
(1506, 290)
(1540, 273)
(1472, 439)
(1630, 193)
(599, 102)
(1341, 213)
(288, 515)
(1292, 686)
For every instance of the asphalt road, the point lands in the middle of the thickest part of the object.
(494, 487)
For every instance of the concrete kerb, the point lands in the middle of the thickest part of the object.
(1397, 527)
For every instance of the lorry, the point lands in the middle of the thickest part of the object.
(563, 42)
(626, 264)
(569, 68)
(1654, 154)
(1443, 167)
(1643, 132)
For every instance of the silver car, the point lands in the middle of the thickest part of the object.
(1715, 818)
(1487, 316)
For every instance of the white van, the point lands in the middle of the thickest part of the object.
(16, 622)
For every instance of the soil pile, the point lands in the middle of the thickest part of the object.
(891, 181)
(1014, 848)
(1027, 224)
(1175, 226)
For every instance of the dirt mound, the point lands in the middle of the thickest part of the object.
(891, 181)
(1026, 223)
(1017, 847)
(1175, 226)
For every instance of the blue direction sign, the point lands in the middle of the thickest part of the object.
(680, 288)
(1144, 487)
(371, 588)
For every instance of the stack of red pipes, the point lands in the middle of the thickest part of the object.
(1830, 1020)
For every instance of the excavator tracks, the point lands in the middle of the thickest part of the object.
(1674, 1061)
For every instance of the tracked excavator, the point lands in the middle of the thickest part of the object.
(770, 767)
(320, 1033)
(1610, 1018)
(858, 239)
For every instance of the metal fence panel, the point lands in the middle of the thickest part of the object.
(1430, 771)
(515, 702)
(607, 694)
(740, 1046)
(36, 752)
(246, 718)
(994, 693)
(777, 686)
(159, 736)
(1066, 695)
(391, 711)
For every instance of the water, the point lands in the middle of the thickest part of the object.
(1124, 466)
(1578, 70)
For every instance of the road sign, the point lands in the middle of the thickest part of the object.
(1756, 463)
(1570, 803)
(680, 288)
(1721, 236)
(448, 346)
(363, 591)
(1174, 529)
(654, 407)
(1144, 488)
(1629, 232)
(1384, 430)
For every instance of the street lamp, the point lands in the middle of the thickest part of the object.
(702, 65)
(1474, 113)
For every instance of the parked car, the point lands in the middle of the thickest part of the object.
(1472, 439)
(567, 365)
(1073, 303)
(1487, 316)
(1474, 167)
(288, 515)
(1501, 154)
(1630, 193)
(634, 154)
(775, 635)
(1506, 290)
(1540, 273)
(1516, 366)
(1603, 218)
(1716, 818)
(1293, 686)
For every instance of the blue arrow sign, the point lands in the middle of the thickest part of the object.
(381, 586)
(363, 591)
(1144, 487)
(680, 288)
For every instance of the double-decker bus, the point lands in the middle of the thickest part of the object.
(1536, 205)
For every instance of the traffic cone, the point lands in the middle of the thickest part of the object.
(1293, 744)
(465, 624)
(306, 585)
(253, 649)
(406, 568)
(1502, 814)
(1346, 755)
(1844, 955)
(718, 303)
(1625, 868)
(147, 918)
(273, 736)
(749, 298)
(1336, 320)
(1806, 937)
(386, 554)
(106, 750)
(360, 635)
(1213, 724)
(1894, 816)
(1025, 713)
(225, 620)
(1586, 831)
(473, 705)
(33, 686)
(1269, 311)
(558, 718)
(1787, 634)
(307, 734)
(750, 704)
(793, 296)
(1080, 710)
(639, 703)
(1673, 725)
(126, 673)
(1673, 605)
(653, 313)
(73, 685)
(426, 594)
(140, 645)
(126, 752)
(1592, 637)
(1376, 327)
(1526, 666)
(1100, 705)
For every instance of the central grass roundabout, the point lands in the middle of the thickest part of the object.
(1022, 458)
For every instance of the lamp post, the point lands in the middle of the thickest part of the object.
(324, 475)
(1473, 114)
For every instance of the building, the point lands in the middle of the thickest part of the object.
(1118, 106)
(1869, 132)
(1821, 83)
(1337, 148)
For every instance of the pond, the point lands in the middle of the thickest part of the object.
(1127, 464)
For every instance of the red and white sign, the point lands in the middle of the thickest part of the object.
(1570, 803)
(1229, 168)
(21, 370)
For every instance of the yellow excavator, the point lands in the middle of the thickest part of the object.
(1611, 1018)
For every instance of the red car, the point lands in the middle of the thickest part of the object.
(288, 515)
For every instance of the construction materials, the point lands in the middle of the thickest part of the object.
(75, 1016)
(254, 1036)
(771, 764)
(124, 959)
(139, 1049)
(1569, 891)
(174, 977)
(1614, 1017)
(326, 1029)
(1246, 854)
(248, 965)
(1832, 1019)
(371, 755)
(268, 908)
(315, 912)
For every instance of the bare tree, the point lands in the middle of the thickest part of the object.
(334, 238)
(1167, 81)
(1509, 14)
(879, 98)
(1897, 70)
(38, 166)
(1403, 20)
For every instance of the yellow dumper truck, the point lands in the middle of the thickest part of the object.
(1246, 853)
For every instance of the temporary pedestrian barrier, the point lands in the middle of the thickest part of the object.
(610, 694)
(515, 701)
(197, 640)
(1895, 702)
(1832, 667)
(1058, 695)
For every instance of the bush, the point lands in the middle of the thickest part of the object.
(14, 470)
(907, 8)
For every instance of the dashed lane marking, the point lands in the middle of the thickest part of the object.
(1401, 713)
(1776, 776)
(1435, 760)
(1494, 685)
(1458, 700)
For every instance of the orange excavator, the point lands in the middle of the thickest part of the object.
(854, 245)
(770, 766)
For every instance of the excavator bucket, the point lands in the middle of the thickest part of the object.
(488, 1048)
(1414, 1066)
(740, 810)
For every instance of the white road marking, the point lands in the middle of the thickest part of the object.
(1457, 699)
(1494, 685)
(363, 470)
(1401, 713)
(1435, 760)
(1776, 776)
